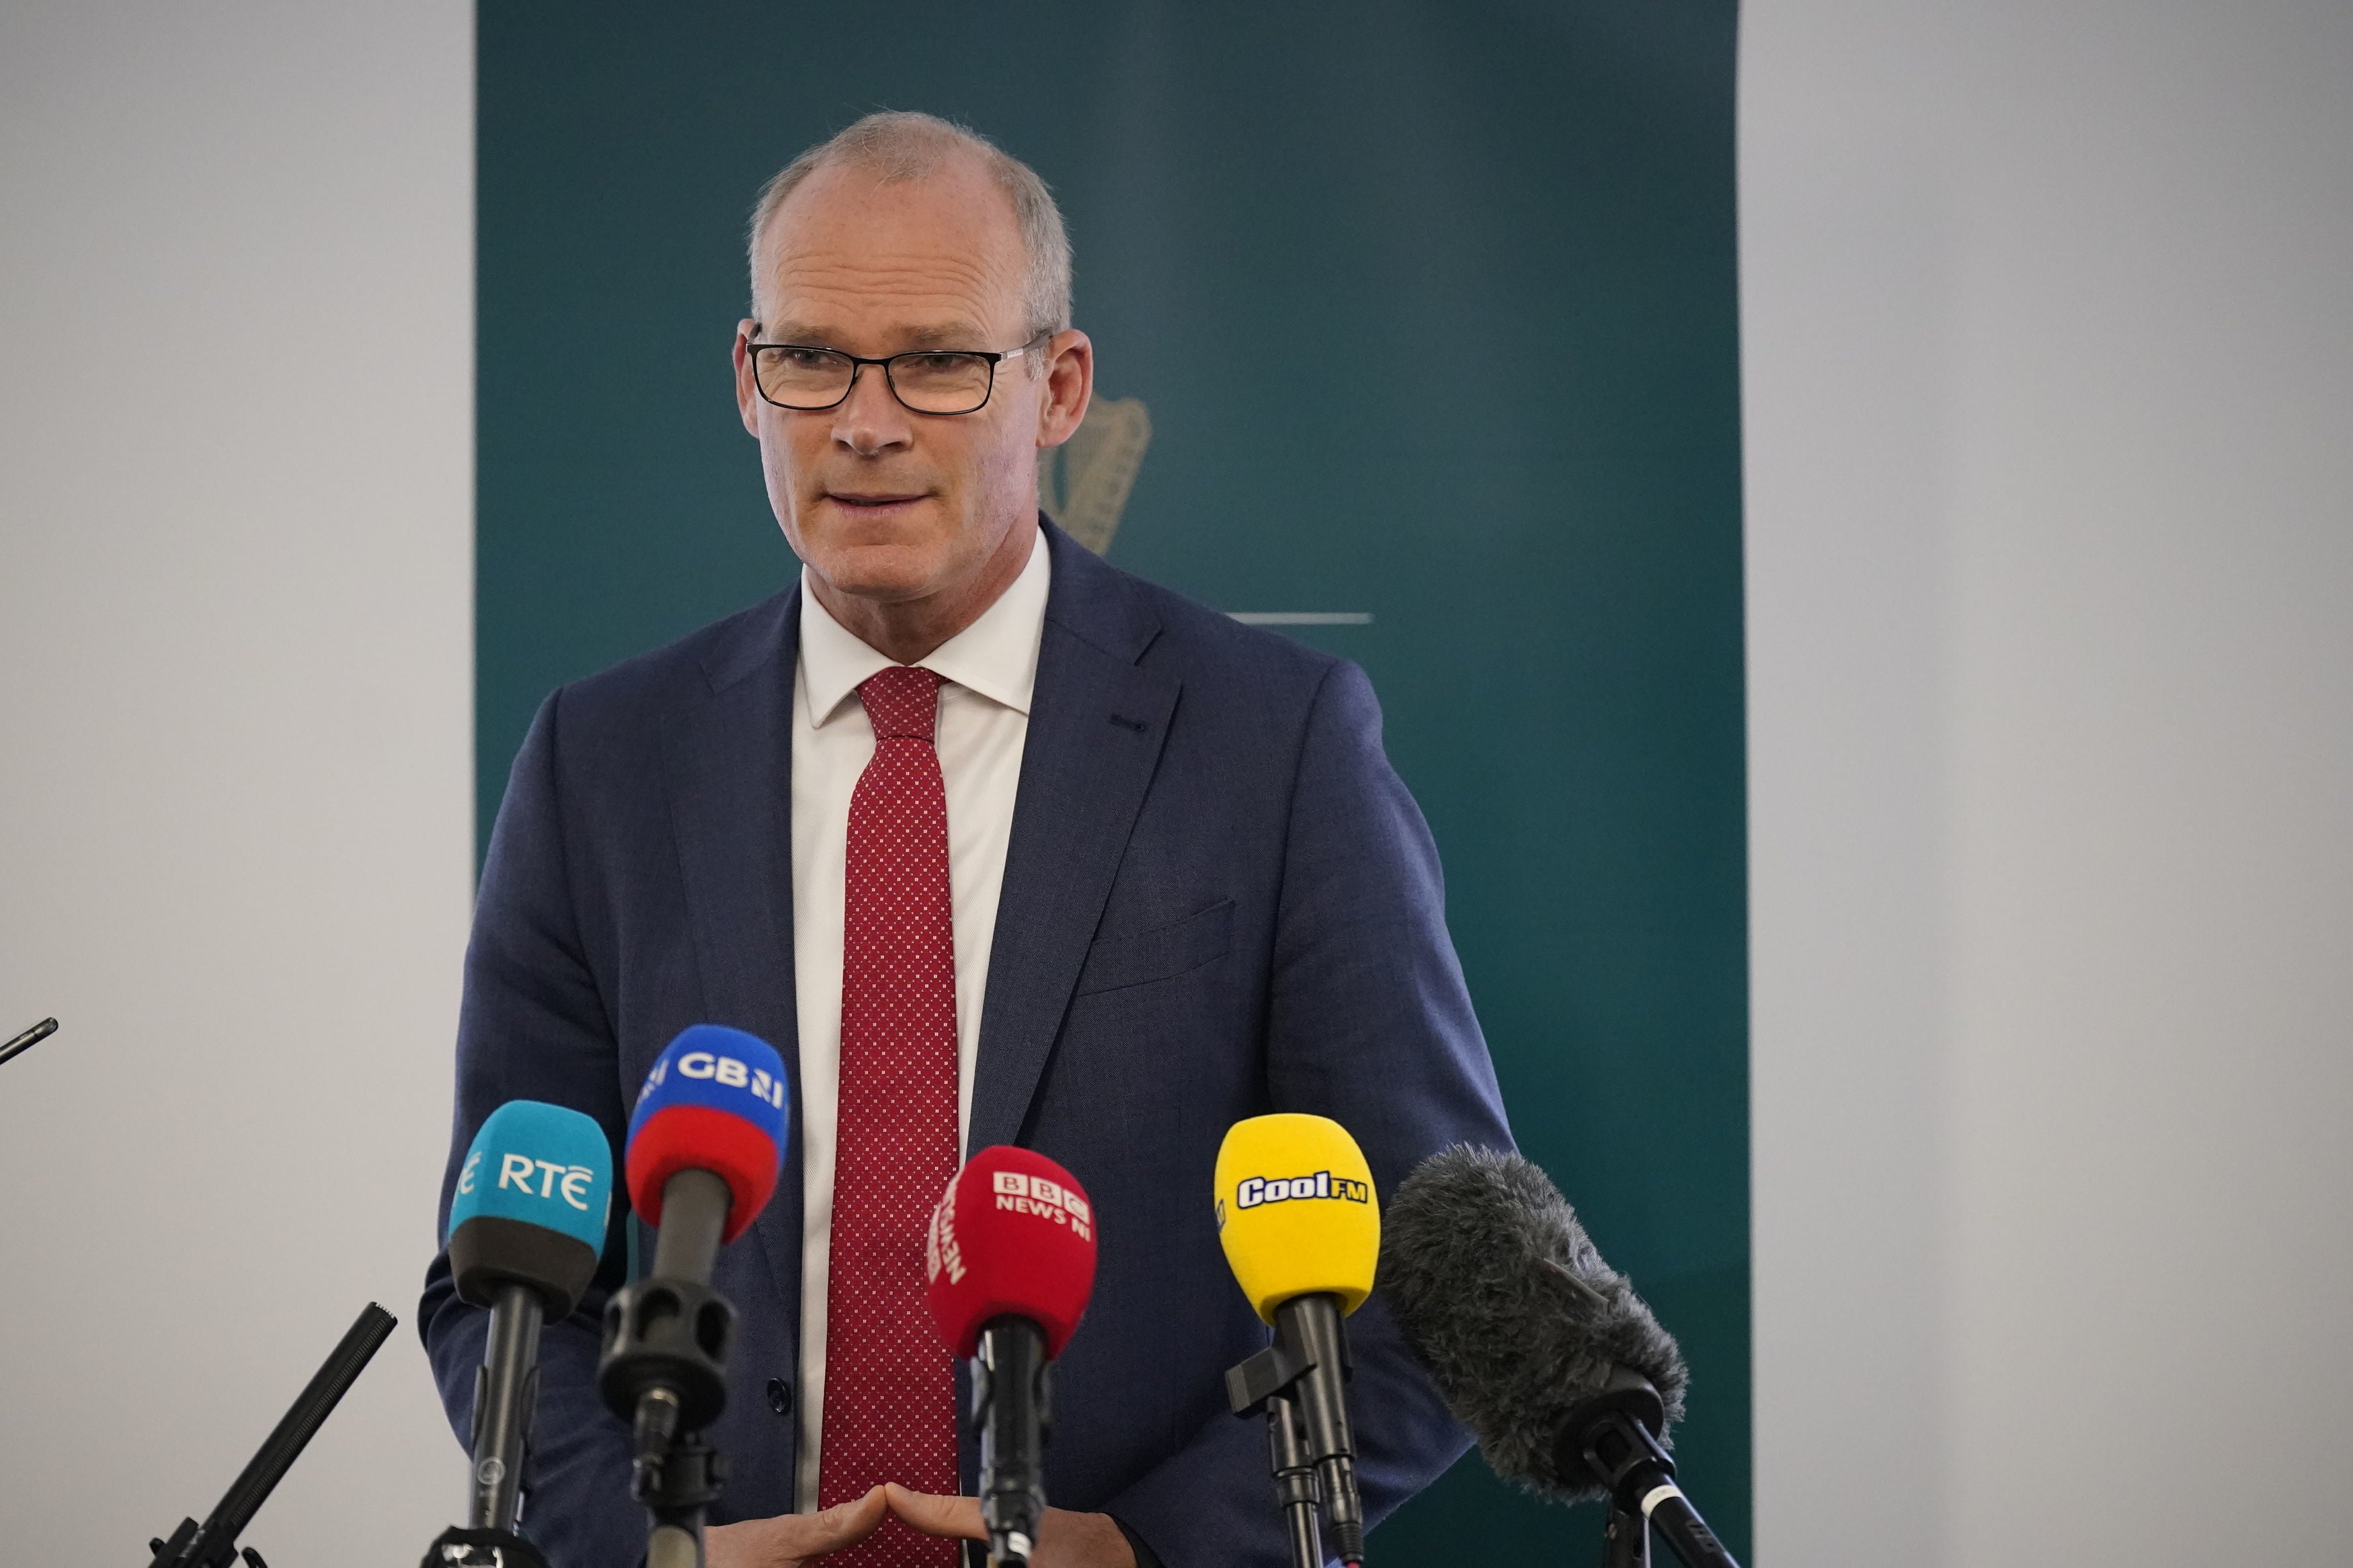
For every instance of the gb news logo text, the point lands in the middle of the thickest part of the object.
(1256, 1191)
(726, 1072)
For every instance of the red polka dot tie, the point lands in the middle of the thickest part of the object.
(890, 1387)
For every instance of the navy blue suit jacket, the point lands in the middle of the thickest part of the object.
(1218, 902)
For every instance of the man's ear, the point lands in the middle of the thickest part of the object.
(1069, 357)
(748, 396)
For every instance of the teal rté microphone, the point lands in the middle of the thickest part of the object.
(531, 1207)
(526, 1227)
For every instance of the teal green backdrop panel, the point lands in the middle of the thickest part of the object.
(1432, 307)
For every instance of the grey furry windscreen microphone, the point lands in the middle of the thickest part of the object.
(1537, 1345)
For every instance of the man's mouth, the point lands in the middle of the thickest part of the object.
(872, 503)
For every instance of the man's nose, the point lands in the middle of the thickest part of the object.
(871, 419)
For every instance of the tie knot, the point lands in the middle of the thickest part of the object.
(903, 701)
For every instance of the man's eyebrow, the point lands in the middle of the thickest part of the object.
(957, 334)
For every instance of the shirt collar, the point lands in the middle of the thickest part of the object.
(997, 655)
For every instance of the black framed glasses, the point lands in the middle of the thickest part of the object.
(927, 380)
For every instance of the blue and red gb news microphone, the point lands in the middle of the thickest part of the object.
(706, 1144)
(714, 1103)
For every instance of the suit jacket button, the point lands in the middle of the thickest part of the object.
(780, 1396)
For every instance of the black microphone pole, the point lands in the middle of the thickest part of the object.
(1295, 1482)
(1010, 1401)
(1313, 1322)
(1297, 1382)
(663, 1368)
(213, 1544)
(505, 1389)
(28, 1039)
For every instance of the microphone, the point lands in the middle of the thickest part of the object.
(213, 1544)
(706, 1143)
(1009, 1264)
(28, 1039)
(526, 1227)
(1537, 1344)
(1302, 1234)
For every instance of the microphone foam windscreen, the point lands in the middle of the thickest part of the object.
(532, 1201)
(714, 1102)
(1012, 1236)
(1507, 1303)
(1296, 1211)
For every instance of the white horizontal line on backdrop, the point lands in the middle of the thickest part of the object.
(1302, 618)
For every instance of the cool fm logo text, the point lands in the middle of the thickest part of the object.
(1255, 1191)
(726, 1072)
(517, 1171)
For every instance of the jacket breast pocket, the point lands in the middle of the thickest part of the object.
(1115, 963)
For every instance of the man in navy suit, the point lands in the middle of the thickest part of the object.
(1144, 872)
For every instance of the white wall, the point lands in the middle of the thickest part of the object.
(2048, 337)
(235, 410)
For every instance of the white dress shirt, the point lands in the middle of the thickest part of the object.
(987, 671)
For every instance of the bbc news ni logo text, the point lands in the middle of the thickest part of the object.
(1044, 1197)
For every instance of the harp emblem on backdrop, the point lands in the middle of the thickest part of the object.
(1083, 483)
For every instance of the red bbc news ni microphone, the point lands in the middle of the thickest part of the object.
(1010, 1262)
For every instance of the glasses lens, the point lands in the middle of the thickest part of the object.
(941, 384)
(802, 378)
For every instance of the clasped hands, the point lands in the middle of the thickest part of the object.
(1065, 1539)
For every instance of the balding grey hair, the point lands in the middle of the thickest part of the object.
(899, 145)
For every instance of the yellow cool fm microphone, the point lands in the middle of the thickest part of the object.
(1302, 1232)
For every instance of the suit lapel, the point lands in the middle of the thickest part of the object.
(728, 761)
(1097, 722)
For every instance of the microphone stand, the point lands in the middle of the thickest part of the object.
(502, 1411)
(1294, 1481)
(664, 1369)
(1626, 1539)
(486, 1548)
(678, 1477)
(1011, 1410)
(1270, 1381)
(213, 1544)
(502, 1442)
